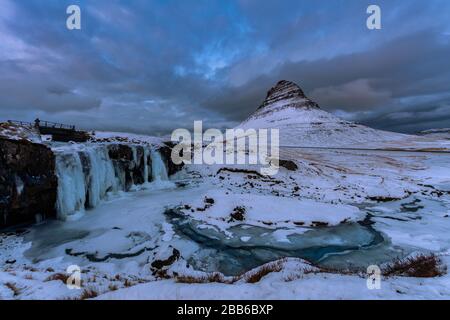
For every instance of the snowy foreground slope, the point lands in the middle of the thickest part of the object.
(224, 231)
(119, 243)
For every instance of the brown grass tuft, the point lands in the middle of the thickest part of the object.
(12, 286)
(257, 275)
(128, 283)
(421, 266)
(212, 277)
(57, 276)
(112, 287)
(88, 294)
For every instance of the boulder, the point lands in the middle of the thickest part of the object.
(288, 164)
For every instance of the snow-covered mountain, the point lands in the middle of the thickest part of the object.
(442, 133)
(302, 123)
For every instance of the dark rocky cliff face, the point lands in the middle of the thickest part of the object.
(166, 152)
(28, 184)
(289, 94)
(134, 169)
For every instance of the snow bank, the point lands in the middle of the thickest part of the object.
(108, 136)
(267, 209)
(291, 283)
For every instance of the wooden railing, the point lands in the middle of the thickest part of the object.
(48, 124)
(44, 124)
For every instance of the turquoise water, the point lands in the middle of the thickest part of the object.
(232, 255)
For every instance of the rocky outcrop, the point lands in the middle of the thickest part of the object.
(124, 163)
(69, 135)
(166, 152)
(289, 94)
(28, 184)
(288, 164)
(163, 260)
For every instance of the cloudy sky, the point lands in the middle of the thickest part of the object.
(152, 66)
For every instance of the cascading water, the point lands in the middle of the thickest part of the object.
(146, 152)
(159, 170)
(101, 178)
(86, 176)
(71, 184)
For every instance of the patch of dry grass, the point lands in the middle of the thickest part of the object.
(252, 276)
(257, 275)
(12, 286)
(128, 283)
(113, 287)
(421, 266)
(88, 294)
(212, 277)
(58, 276)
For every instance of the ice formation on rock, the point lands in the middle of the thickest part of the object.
(86, 176)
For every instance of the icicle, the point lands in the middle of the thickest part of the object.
(145, 165)
(159, 171)
(134, 164)
(71, 184)
(101, 175)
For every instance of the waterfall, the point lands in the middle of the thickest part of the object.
(159, 170)
(87, 175)
(101, 177)
(71, 184)
(146, 165)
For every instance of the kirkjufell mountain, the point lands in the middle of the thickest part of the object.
(290, 94)
(303, 123)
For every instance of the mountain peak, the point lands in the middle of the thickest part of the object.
(289, 94)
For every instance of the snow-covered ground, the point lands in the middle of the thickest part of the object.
(13, 131)
(125, 137)
(116, 243)
(293, 283)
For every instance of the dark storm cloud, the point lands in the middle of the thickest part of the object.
(151, 66)
(412, 65)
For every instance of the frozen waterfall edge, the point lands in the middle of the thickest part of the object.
(87, 176)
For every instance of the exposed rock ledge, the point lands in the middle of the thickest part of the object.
(28, 183)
